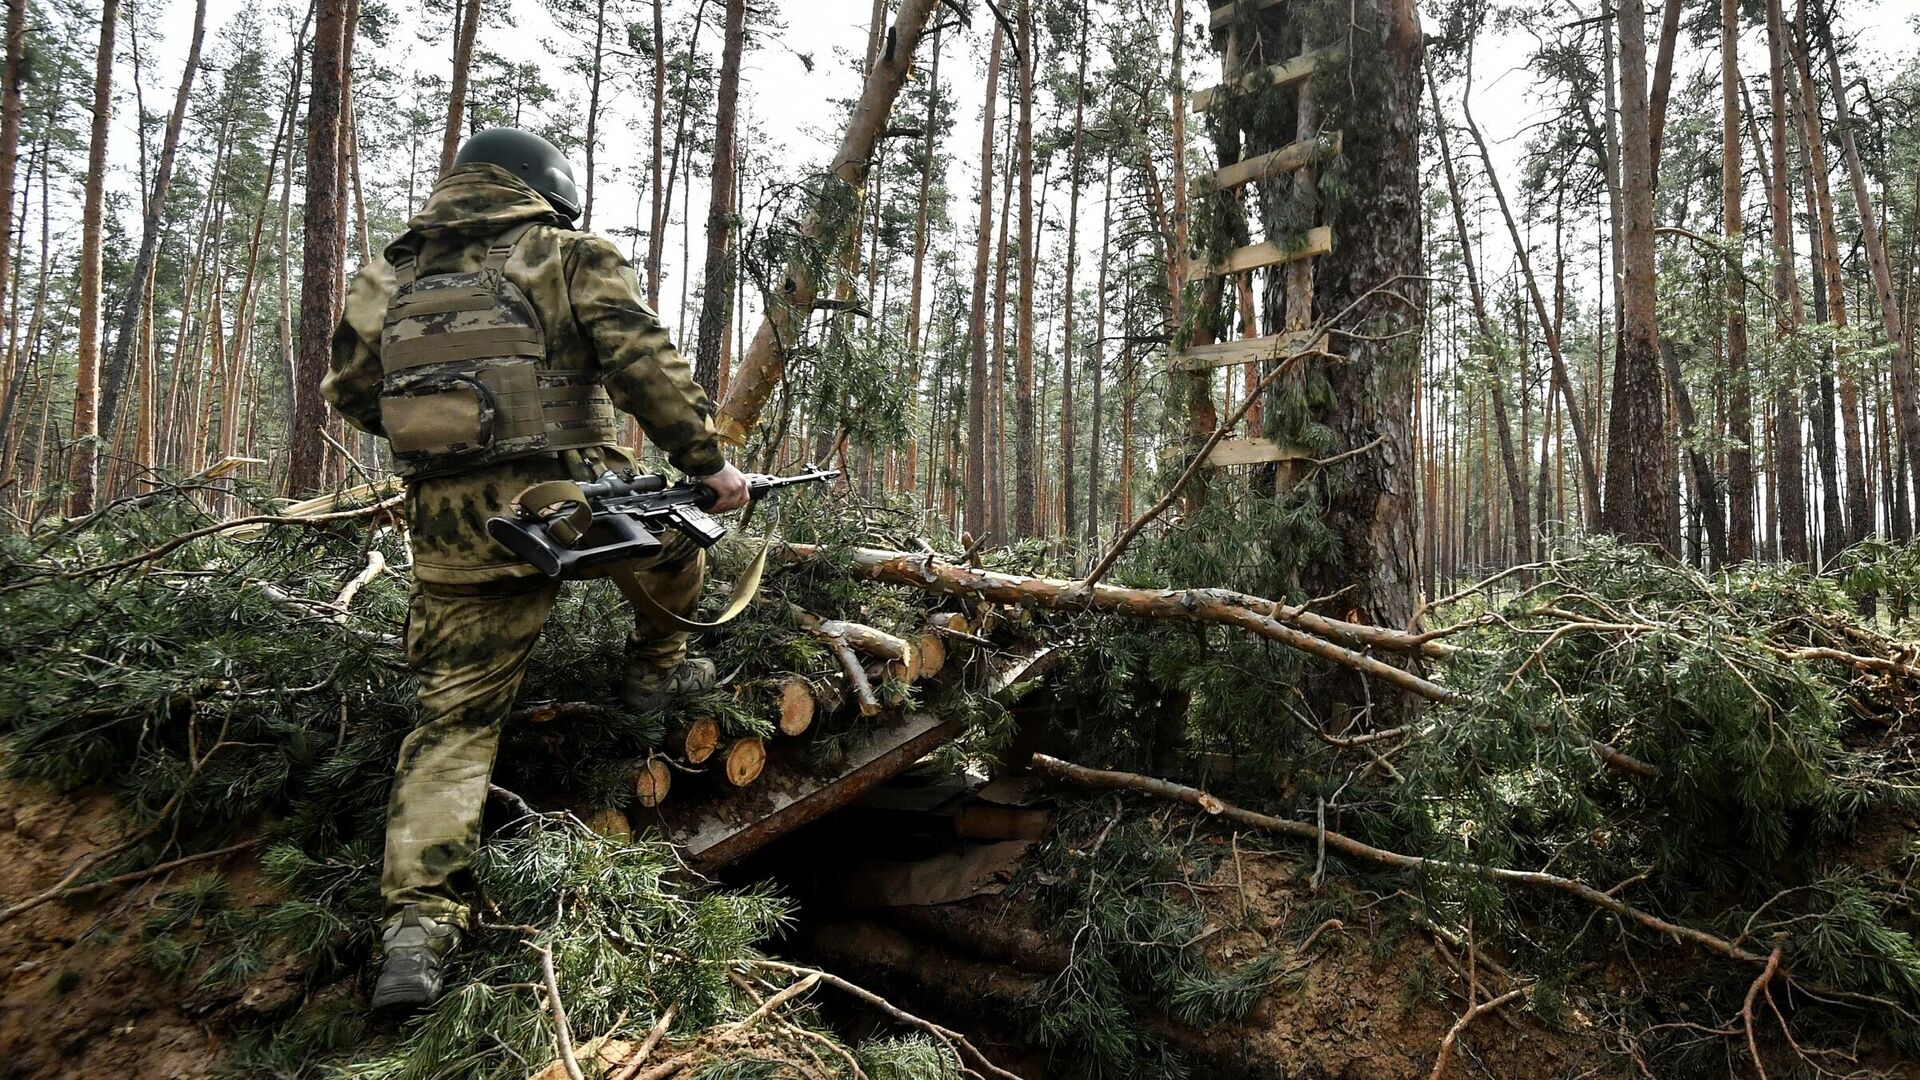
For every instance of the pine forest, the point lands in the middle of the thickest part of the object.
(1276, 538)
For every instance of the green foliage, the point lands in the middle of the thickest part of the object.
(213, 690)
(1121, 892)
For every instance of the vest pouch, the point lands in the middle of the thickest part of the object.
(438, 417)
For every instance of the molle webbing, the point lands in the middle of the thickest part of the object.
(467, 382)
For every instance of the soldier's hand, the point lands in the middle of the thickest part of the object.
(729, 489)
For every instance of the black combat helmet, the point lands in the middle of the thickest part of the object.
(531, 158)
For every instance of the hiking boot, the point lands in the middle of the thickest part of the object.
(416, 948)
(651, 691)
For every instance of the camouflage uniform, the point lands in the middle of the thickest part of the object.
(476, 611)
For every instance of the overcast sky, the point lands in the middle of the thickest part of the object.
(788, 104)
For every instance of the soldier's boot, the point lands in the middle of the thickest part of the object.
(415, 948)
(652, 689)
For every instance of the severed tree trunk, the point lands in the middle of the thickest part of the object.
(113, 378)
(1790, 314)
(1739, 387)
(466, 26)
(976, 473)
(84, 463)
(322, 260)
(827, 229)
(1640, 503)
(1503, 427)
(716, 295)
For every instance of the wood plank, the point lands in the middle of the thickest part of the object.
(719, 830)
(1319, 241)
(1225, 13)
(1247, 350)
(1253, 452)
(1292, 156)
(1272, 77)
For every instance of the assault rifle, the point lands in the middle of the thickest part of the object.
(564, 529)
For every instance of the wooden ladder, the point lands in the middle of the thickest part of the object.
(1299, 159)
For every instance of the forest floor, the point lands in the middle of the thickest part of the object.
(1651, 823)
(78, 997)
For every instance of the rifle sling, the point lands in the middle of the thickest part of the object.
(744, 590)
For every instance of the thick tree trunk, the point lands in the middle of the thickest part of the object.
(827, 228)
(1739, 388)
(466, 27)
(1367, 494)
(321, 263)
(1640, 502)
(976, 472)
(717, 294)
(84, 463)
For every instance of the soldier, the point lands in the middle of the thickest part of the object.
(490, 346)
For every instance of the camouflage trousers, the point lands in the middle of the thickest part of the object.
(468, 645)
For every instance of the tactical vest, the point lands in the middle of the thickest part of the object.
(467, 381)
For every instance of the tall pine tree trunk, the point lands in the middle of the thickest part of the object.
(84, 462)
(976, 471)
(717, 293)
(114, 376)
(1790, 314)
(1906, 409)
(1490, 344)
(1025, 463)
(1739, 386)
(322, 259)
(465, 27)
(1069, 499)
(1640, 502)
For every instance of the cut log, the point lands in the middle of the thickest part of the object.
(1292, 626)
(1318, 241)
(741, 762)
(932, 652)
(716, 831)
(796, 706)
(1272, 348)
(1272, 77)
(651, 780)
(608, 822)
(1293, 156)
(869, 640)
(696, 740)
(950, 620)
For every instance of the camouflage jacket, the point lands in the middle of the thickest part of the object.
(596, 320)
